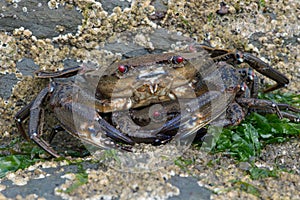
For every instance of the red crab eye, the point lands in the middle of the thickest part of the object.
(156, 114)
(123, 68)
(178, 59)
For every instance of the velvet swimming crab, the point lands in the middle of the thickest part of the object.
(153, 98)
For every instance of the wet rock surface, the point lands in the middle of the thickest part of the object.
(43, 186)
(42, 21)
(189, 188)
(109, 6)
(7, 81)
(61, 34)
(27, 67)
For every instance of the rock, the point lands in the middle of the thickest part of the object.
(38, 18)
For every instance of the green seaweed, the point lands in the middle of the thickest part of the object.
(109, 155)
(28, 155)
(246, 140)
(81, 179)
(260, 173)
(246, 187)
(261, 4)
(15, 162)
(183, 163)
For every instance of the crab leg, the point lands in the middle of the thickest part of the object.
(21, 116)
(266, 70)
(234, 116)
(72, 71)
(259, 65)
(113, 132)
(287, 115)
(269, 107)
(35, 123)
(283, 106)
(33, 110)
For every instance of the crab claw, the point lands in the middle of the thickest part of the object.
(114, 133)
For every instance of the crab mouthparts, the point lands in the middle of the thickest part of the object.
(153, 88)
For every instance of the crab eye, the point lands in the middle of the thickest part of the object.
(123, 68)
(177, 59)
(156, 114)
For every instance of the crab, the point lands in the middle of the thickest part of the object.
(184, 91)
(244, 101)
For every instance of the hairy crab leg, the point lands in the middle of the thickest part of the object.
(35, 123)
(266, 70)
(114, 133)
(72, 71)
(269, 106)
(234, 116)
(283, 106)
(284, 114)
(21, 116)
(34, 110)
(256, 63)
